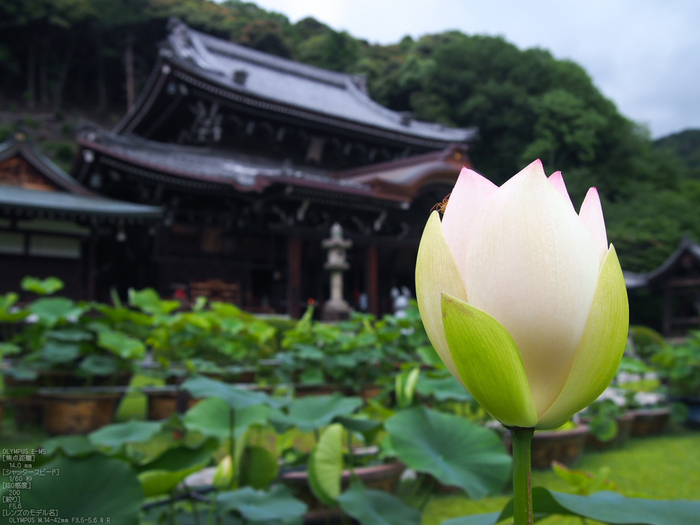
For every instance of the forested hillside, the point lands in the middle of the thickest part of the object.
(90, 58)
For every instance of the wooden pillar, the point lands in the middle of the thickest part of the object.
(92, 264)
(373, 278)
(668, 310)
(294, 276)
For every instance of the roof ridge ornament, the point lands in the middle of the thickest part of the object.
(240, 76)
(360, 81)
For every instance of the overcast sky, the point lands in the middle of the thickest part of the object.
(642, 54)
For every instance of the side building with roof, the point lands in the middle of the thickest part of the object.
(670, 292)
(253, 158)
(52, 225)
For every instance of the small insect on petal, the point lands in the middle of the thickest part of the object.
(442, 205)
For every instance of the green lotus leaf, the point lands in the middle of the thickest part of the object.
(212, 416)
(121, 344)
(69, 445)
(445, 388)
(604, 506)
(150, 302)
(274, 506)
(87, 487)
(325, 466)
(42, 286)
(452, 449)
(72, 335)
(156, 482)
(236, 398)
(99, 365)
(59, 352)
(314, 412)
(118, 434)
(51, 310)
(259, 467)
(376, 507)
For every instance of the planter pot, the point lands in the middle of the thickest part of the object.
(161, 404)
(564, 446)
(624, 428)
(76, 413)
(164, 402)
(28, 406)
(324, 389)
(365, 391)
(650, 422)
(370, 391)
(379, 477)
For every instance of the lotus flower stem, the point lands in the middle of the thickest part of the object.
(522, 487)
(232, 447)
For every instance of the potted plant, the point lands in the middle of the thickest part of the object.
(318, 472)
(355, 356)
(73, 357)
(609, 424)
(147, 459)
(678, 366)
(204, 340)
(564, 445)
(651, 412)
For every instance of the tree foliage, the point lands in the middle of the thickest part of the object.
(526, 104)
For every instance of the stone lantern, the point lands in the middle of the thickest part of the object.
(336, 308)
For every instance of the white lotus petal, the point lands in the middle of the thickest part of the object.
(601, 347)
(558, 182)
(592, 217)
(467, 197)
(436, 272)
(534, 268)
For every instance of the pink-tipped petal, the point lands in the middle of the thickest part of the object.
(468, 195)
(534, 268)
(592, 217)
(558, 182)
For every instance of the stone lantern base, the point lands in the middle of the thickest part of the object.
(335, 310)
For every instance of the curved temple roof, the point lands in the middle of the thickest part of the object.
(396, 181)
(74, 205)
(244, 172)
(639, 280)
(72, 199)
(293, 85)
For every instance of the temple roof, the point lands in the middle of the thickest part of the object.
(18, 145)
(70, 205)
(306, 91)
(62, 195)
(245, 173)
(397, 180)
(406, 176)
(685, 248)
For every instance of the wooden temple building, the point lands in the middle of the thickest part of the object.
(677, 283)
(51, 225)
(252, 159)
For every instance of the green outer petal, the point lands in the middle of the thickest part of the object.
(601, 347)
(488, 362)
(436, 272)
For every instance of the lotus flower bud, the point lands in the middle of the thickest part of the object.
(223, 475)
(522, 297)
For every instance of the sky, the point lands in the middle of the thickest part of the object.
(642, 54)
